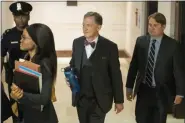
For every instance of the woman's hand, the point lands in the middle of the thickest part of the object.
(16, 92)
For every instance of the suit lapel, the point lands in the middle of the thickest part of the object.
(161, 52)
(79, 51)
(147, 47)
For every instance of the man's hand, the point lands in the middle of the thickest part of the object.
(129, 96)
(178, 100)
(119, 108)
(67, 82)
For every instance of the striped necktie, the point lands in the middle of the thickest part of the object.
(150, 65)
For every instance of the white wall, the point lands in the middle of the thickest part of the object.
(66, 22)
(6, 17)
(169, 13)
(133, 31)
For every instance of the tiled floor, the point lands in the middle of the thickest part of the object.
(67, 114)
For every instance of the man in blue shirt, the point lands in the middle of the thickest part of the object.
(157, 71)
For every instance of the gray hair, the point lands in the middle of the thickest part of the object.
(97, 16)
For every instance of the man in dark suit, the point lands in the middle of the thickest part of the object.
(97, 63)
(157, 71)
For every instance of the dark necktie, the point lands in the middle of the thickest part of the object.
(150, 65)
(90, 43)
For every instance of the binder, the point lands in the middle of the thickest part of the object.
(29, 67)
(24, 64)
(32, 72)
(27, 76)
(26, 81)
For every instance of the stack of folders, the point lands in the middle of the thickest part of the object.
(27, 76)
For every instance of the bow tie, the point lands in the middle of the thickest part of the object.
(91, 43)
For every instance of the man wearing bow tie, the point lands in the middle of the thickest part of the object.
(97, 63)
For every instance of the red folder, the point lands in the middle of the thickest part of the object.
(27, 64)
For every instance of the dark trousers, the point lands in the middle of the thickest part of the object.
(89, 111)
(151, 106)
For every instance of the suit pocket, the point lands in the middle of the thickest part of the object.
(103, 59)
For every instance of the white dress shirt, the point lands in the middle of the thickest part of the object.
(89, 50)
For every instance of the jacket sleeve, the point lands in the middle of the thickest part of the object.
(179, 70)
(133, 68)
(72, 61)
(116, 76)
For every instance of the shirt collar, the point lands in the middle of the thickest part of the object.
(95, 40)
(158, 39)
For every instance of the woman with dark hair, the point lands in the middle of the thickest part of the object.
(38, 40)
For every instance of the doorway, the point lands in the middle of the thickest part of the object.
(151, 7)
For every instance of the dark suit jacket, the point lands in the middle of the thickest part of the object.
(169, 69)
(106, 75)
(32, 102)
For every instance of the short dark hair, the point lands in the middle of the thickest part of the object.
(159, 18)
(97, 16)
